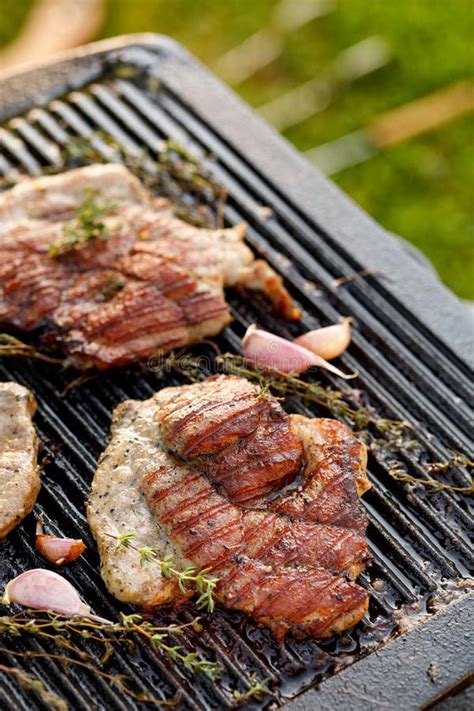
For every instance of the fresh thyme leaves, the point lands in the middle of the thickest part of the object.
(62, 631)
(124, 540)
(191, 660)
(172, 146)
(202, 582)
(257, 690)
(31, 683)
(87, 225)
(264, 388)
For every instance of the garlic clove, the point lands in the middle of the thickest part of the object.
(329, 342)
(271, 351)
(42, 589)
(59, 550)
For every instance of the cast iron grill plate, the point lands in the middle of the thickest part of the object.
(420, 542)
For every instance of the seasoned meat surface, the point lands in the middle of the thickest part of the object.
(159, 478)
(110, 275)
(243, 440)
(117, 506)
(55, 198)
(19, 472)
(334, 475)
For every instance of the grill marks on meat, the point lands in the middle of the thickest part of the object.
(161, 313)
(289, 572)
(171, 274)
(19, 472)
(334, 475)
(158, 305)
(284, 572)
(229, 260)
(286, 593)
(244, 441)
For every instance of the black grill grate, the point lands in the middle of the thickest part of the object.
(419, 541)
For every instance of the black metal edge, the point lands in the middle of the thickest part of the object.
(416, 287)
(411, 672)
(34, 84)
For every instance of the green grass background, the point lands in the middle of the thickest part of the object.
(421, 189)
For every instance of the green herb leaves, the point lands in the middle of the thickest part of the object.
(124, 541)
(87, 226)
(256, 692)
(203, 583)
(111, 287)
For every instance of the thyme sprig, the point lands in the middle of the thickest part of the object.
(432, 485)
(199, 579)
(61, 631)
(13, 347)
(258, 689)
(31, 683)
(456, 460)
(191, 660)
(124, 540)
(88, 225)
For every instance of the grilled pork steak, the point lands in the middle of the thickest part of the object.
(19, 472)
(110, 275)
(242, 440)
(162, 477)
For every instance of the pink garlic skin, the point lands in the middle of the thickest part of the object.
(42, 589)
(271, 351)
(329, 342)
(59, 550)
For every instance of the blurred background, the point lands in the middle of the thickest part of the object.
(378, 94)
